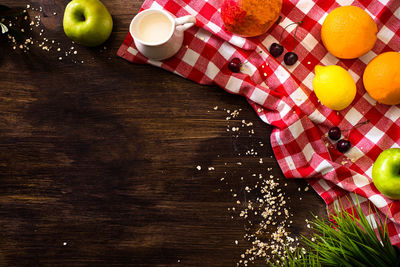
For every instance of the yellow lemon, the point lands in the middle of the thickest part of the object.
(334, 86)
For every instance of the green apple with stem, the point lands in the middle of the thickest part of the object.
(87, 22)
(386, 173)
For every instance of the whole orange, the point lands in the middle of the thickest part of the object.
(382, 78)
(348, 32)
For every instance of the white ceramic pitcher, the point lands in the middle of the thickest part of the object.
(171, 33)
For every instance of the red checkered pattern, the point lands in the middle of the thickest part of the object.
(283, 97)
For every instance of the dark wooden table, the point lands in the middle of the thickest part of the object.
(98, 157)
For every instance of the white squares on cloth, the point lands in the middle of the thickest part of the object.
(397, 13)
(369, 99)
(282, 74)
(298, 96)
(308, 80)
(321, 20)
(156, 5)
(211, 70)
(155, 62)
(345, 2)
(259, 96)
(329, 59)
(375, 135)
(357, 198)
(214, 27)
(132, 50)
(238, 41)
(317, 117)
(264, 119)
(395, 145)
(378, 201)
(287, 21)
(283, 109)
(269, 39)
(278, 138)
(324, 167)
(305, 5)
(234, 84)
(369, 172)
(203, 35)
(309, 42)
(384, 2)
(366, 58)
(355, 76)
(226, 50)
(190, 57)
(290, 163)
(372, 221)
(353, 116)
(308, 151)
(369, 13)
(360, 180)
(296, 129)
(393, 113)
(354, 154)
(324, 185)
(190, 10)
(248, 68)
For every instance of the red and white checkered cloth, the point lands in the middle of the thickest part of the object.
(283, 97)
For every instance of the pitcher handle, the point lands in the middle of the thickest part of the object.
(185, 22)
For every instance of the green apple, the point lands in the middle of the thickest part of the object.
(87, 22)
(386, 173)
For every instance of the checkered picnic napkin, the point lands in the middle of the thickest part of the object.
(283, 97)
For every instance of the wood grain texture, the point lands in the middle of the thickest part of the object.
(102, 156)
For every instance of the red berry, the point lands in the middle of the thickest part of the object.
(235, 64)
(290, 58)
(276, 50)
(334, 133)
(343, 145)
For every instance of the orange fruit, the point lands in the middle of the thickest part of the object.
(348, 32)
(382, 78)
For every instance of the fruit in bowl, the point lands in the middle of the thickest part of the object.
(334, 86)
(386, 173)
(87, 22)
(348, 32)
(382, 78)
(250, 18)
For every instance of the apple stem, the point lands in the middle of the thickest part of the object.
(298, 23)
